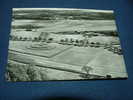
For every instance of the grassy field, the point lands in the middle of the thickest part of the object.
(68, 25)
(101, 60)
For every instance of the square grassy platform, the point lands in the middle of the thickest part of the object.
(23, 47)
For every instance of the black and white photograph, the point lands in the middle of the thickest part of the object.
(49, 44)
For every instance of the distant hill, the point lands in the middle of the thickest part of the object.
(62, 14)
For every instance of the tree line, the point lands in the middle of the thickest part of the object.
(71, 41)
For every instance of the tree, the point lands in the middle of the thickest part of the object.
(44, 35)
(77, 41)
(92, 43)
(76, 32)
(25, 39)
(61, 40)
(50, 39)
(20, 38)
(71, 40)
(16, 38)
(39, 38)
(108, 76)
(87, 69)
(87, 42)
(35, 39)
(10, 37)
(44, 40)
(66, 39)
(81, 42)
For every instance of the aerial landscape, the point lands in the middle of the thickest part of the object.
(63, 44)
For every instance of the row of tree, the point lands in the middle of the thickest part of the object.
(114, 49)
(78, 42)
(85, 43)
(36, 39)
(66, 41)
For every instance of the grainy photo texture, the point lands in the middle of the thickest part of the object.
(63, 44)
